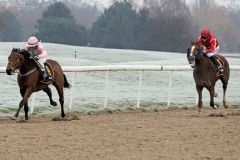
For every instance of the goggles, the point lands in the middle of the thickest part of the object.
(203, 38)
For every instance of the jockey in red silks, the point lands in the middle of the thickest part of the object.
(211, 47)
(37, 51)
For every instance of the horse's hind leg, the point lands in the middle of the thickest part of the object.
(61, 98)
(26, 110)
(199, 90)
(225, 83)
(49, 93)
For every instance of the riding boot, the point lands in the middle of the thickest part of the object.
(45, 76)
(217, 63)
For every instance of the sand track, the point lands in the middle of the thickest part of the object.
(137, 135)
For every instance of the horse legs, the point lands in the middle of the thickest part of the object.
(25, 102)
(22, 91)
(212, 93)
(199, 90)
(224, 93)
(49, 93)
(61, 98)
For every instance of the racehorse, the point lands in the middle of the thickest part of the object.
(30, 79)
(205, 73)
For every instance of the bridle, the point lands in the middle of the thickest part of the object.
(194, 53)
(19, 62)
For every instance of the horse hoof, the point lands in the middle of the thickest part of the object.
(13, 118)
(199, 111)
(215, 94)
(215, 106)
(225, 106)
(54, 103)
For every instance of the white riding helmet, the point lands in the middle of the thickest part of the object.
(32, 42)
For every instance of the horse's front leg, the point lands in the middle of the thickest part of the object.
(14, 117)
(199, 90)
(25, 102)
(212, 93)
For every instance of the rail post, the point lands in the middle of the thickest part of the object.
(169, 88)
(106, 90)
(71, 92)
(139, 88)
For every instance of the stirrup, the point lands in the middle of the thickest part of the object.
(219, 72)
(220, 68)
(47, 79)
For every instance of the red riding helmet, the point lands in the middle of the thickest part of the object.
(205, 33)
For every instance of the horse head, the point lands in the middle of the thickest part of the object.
(15, 60)
(194, 52)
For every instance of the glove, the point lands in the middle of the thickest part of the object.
(36, 57)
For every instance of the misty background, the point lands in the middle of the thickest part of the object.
(159, 25)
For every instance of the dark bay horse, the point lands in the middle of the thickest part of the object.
(205, 73)
(30, 79)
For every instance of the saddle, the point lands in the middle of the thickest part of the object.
(49, 72)
(220, 60)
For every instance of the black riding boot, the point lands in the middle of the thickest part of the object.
(217, 63)
(45, 76)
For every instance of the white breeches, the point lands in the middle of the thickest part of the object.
(214, 52)
(42, 61)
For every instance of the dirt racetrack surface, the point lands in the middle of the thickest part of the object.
(173, 134)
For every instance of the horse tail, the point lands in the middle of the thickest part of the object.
(66, 84)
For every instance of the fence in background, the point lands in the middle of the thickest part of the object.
(109, 68)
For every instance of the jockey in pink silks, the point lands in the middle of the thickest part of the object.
(37, 51)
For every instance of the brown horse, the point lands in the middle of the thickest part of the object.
(30, 79)
(205, 73)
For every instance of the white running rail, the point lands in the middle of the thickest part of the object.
(110, 68)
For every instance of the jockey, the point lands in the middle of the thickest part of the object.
(38, 52)
(211, 47)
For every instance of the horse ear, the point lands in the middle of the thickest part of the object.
(193, 42)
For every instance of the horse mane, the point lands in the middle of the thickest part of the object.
(25, 53)
(16, 50)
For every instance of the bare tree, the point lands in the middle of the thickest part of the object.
(170, 27)
(218, 21)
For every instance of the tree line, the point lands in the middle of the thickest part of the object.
(166, 25)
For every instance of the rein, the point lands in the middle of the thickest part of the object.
(28, 73)
(199, 53)
(20, 65)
